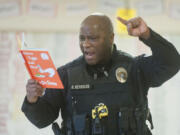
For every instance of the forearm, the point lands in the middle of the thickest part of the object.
(164, 62)
(41, 114)
(163, 51)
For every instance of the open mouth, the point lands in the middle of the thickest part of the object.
(89, 55)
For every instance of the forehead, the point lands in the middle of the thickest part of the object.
(90, 28)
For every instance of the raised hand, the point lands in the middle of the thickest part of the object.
(33, 90)
(136, 27)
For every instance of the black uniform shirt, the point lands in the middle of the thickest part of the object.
(155, 69)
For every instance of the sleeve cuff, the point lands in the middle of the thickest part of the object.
(153, 39)
(27, 105)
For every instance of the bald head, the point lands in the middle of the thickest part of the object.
(96, 38)
(101, 21)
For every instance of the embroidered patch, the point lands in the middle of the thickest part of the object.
(121, 74)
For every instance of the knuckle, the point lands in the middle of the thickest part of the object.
(139, 18)
(30, 80)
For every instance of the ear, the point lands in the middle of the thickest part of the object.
(112, 38)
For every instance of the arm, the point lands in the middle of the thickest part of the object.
(43, 110)
(165, 60)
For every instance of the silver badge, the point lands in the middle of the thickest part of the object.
(121, 74)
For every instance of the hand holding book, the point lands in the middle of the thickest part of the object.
(33, 90)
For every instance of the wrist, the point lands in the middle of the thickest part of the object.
(146, 35)
(31, 99)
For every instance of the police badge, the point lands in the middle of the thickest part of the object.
(121, 74)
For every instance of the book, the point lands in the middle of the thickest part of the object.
(40, 67)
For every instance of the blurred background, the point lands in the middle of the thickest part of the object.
(54, 25)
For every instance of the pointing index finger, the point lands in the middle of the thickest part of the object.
(123, 21)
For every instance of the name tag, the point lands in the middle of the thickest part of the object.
(83, 86)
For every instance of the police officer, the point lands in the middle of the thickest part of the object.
(105, 89)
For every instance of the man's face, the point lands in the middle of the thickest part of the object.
(95, 44)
